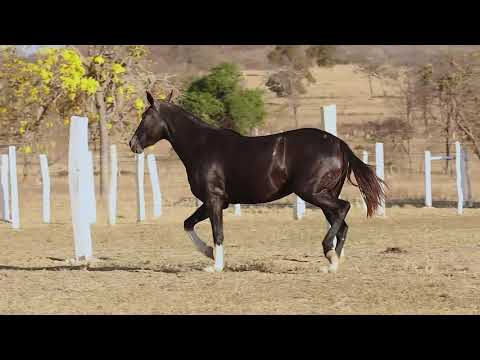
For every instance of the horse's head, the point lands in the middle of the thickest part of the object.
(152, 128)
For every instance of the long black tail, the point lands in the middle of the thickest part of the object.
(370, 185)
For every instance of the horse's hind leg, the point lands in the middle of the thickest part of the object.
(199, 215)
(338, 209)
(341, 235)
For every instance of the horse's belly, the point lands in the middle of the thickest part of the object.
(253, 188)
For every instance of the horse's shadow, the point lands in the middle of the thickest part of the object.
(251, 266)
(169, 269)
(164, 269)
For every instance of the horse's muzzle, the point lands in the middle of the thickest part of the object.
(135, 146)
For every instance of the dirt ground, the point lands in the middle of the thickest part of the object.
(414, 261)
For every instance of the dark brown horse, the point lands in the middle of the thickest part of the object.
(224, 167)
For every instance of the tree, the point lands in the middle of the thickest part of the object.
(447, 89)
(107, 85)
(52, 82)
(293, 63)
(375, 66)
(394, 131)
(220, 100)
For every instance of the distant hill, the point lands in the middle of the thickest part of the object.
(174, 58)
(194, 58)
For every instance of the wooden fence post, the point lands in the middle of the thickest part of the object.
(140, 186)
(380, 171)
(298, 208)
(112, 195)
(12, 171)
(458, 167)
(365, 160)
(428, 179)
(157, 195)
(466, 185)
(329, 121)
(45, 188)
(4, 188)
(78, 176)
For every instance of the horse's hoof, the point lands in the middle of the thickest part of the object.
(218, 268)
(209, 269)
(333, 259)
(332, 268)
(213, 269)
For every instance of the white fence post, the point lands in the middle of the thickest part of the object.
(466, 185)
(428, 179)
(157, 195)
(45, 188)
(5, 190)
(458, 163)
(112, 196)
(12, 170)
(380, 172)
(298, 208)
(140, 187)
(365, 160)
(91, 184)
(237, 210)
(79, 186)
(329, 121)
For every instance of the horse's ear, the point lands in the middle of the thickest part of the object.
(169, 98)
(150, 99)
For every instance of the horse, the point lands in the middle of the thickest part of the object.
(225, 167)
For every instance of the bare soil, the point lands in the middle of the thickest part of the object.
(414, 261)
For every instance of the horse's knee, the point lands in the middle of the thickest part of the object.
(188, 225)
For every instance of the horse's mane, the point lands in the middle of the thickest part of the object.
(188, 114)
(197, 120)
(231, 130)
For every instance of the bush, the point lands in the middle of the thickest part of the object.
(219, 99)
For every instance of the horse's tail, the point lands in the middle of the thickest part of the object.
(370, 185)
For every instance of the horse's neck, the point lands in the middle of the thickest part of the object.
(185, 136)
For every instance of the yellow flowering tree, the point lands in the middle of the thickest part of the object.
(54, 82)
(105, 83)
(123, 75)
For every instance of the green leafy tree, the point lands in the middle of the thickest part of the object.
(220, 100)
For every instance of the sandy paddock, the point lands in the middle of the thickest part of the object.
(415, 261)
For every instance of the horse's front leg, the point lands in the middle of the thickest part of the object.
(199, 215)
(215, 213)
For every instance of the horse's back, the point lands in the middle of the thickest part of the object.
(264, 167)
